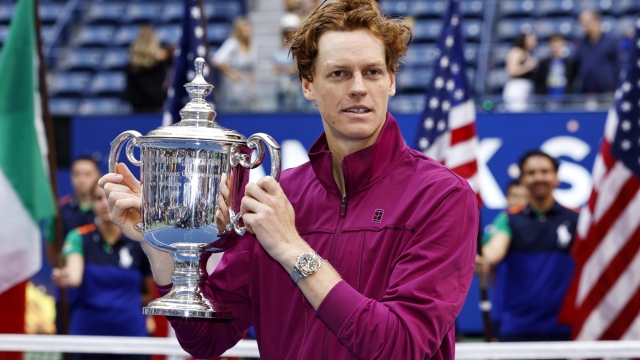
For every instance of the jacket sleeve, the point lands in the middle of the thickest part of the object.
(427, 288)
(228, 285)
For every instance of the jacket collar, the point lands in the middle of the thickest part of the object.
(363, 167)
(556, 208)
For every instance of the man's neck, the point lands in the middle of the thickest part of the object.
(542, 205)
(595, 36)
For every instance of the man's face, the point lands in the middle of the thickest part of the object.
(351, 85)
(83, 175)
(589, 22)
(517, 195)
(539, 177)
(557, 45)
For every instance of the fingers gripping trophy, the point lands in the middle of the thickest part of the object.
(183, 168)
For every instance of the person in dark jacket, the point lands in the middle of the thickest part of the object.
(147, 72)
(597, 59)
(556, 74)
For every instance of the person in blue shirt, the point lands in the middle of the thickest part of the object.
(597, 58)
(113, 278)
(532, 244)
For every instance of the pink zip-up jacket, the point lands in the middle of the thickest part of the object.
(403, 239)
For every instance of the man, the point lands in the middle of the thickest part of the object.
(533, 244)
(395, 230)
(597, 58)
(556, 74)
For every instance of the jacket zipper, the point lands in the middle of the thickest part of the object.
(334, 244)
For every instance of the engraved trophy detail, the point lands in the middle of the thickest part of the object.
(182, 166)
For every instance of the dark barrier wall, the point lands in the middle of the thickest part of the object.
(572, 137)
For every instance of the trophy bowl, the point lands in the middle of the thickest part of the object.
(182, 167)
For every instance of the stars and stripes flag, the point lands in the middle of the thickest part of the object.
(603, 301)
(193, 44)
(447, 130)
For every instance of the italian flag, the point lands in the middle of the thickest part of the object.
(26, 197)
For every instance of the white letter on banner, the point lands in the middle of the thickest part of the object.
(571, 173)
(492, 196)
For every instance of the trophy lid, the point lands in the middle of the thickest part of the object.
(197, 116)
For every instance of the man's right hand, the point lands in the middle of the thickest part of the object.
(123, 194)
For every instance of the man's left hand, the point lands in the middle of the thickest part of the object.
(268, 214)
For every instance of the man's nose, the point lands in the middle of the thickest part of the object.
(358, 88)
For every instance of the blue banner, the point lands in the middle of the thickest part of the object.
(573, 138)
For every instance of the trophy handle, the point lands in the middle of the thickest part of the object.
(116, 146)
(254, 143)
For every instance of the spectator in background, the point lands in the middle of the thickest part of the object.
(237, 58)
(520, 66)
(147, 71)
(555, 75)
(533, 245)
(517, 198)
(288, 87)
(597, 57)
(75, 210)
(106, 305)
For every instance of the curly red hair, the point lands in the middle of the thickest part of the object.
(349, 15)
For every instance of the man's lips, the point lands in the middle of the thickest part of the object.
(357, 109)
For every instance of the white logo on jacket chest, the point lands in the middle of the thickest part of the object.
(125, 258)
(564, 236)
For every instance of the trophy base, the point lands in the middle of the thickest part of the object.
(184, 309)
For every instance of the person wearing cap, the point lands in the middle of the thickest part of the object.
(288, 93)
(364, 252)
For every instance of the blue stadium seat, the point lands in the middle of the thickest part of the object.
(421, 55)
(115, 59)
(104, 13)
(414, 78)
(509, 29)
(433, 8)
(6, 12)
(624, 24)
(103, 106)
(169, 34)
(108, 84)
(125, 35)
(472, 29)
(605, 7)
(517, 8)
(555, 8)
(471, 54)
(172, 13)
(499, 52)
(427, 30)
(566, 27)
(627, 7)
(80, 60)
(49, 12)
(610, 25)
(398, 8)
(496, 80)
(63, 106)
(471, 77)
(72, 84)
(217, 10)
(408, 104)
(472, 8)
(138, 13)
(99, 35)
(217, 33)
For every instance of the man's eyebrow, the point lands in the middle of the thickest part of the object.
(330, 64)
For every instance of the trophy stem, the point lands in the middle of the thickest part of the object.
(185, 298)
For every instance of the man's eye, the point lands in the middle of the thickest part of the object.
(374, 72)
(337, 73)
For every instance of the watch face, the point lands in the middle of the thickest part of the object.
(308, 263)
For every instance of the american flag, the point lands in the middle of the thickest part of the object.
(603, 301)
(192, 45)
(447, 130)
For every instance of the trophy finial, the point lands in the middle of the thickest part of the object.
(198, 108)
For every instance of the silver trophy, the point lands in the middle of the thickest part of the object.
(182, 166)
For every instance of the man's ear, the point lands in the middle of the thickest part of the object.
(392, 87)
(307, 89)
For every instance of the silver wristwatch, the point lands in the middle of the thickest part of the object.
(306, 265)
